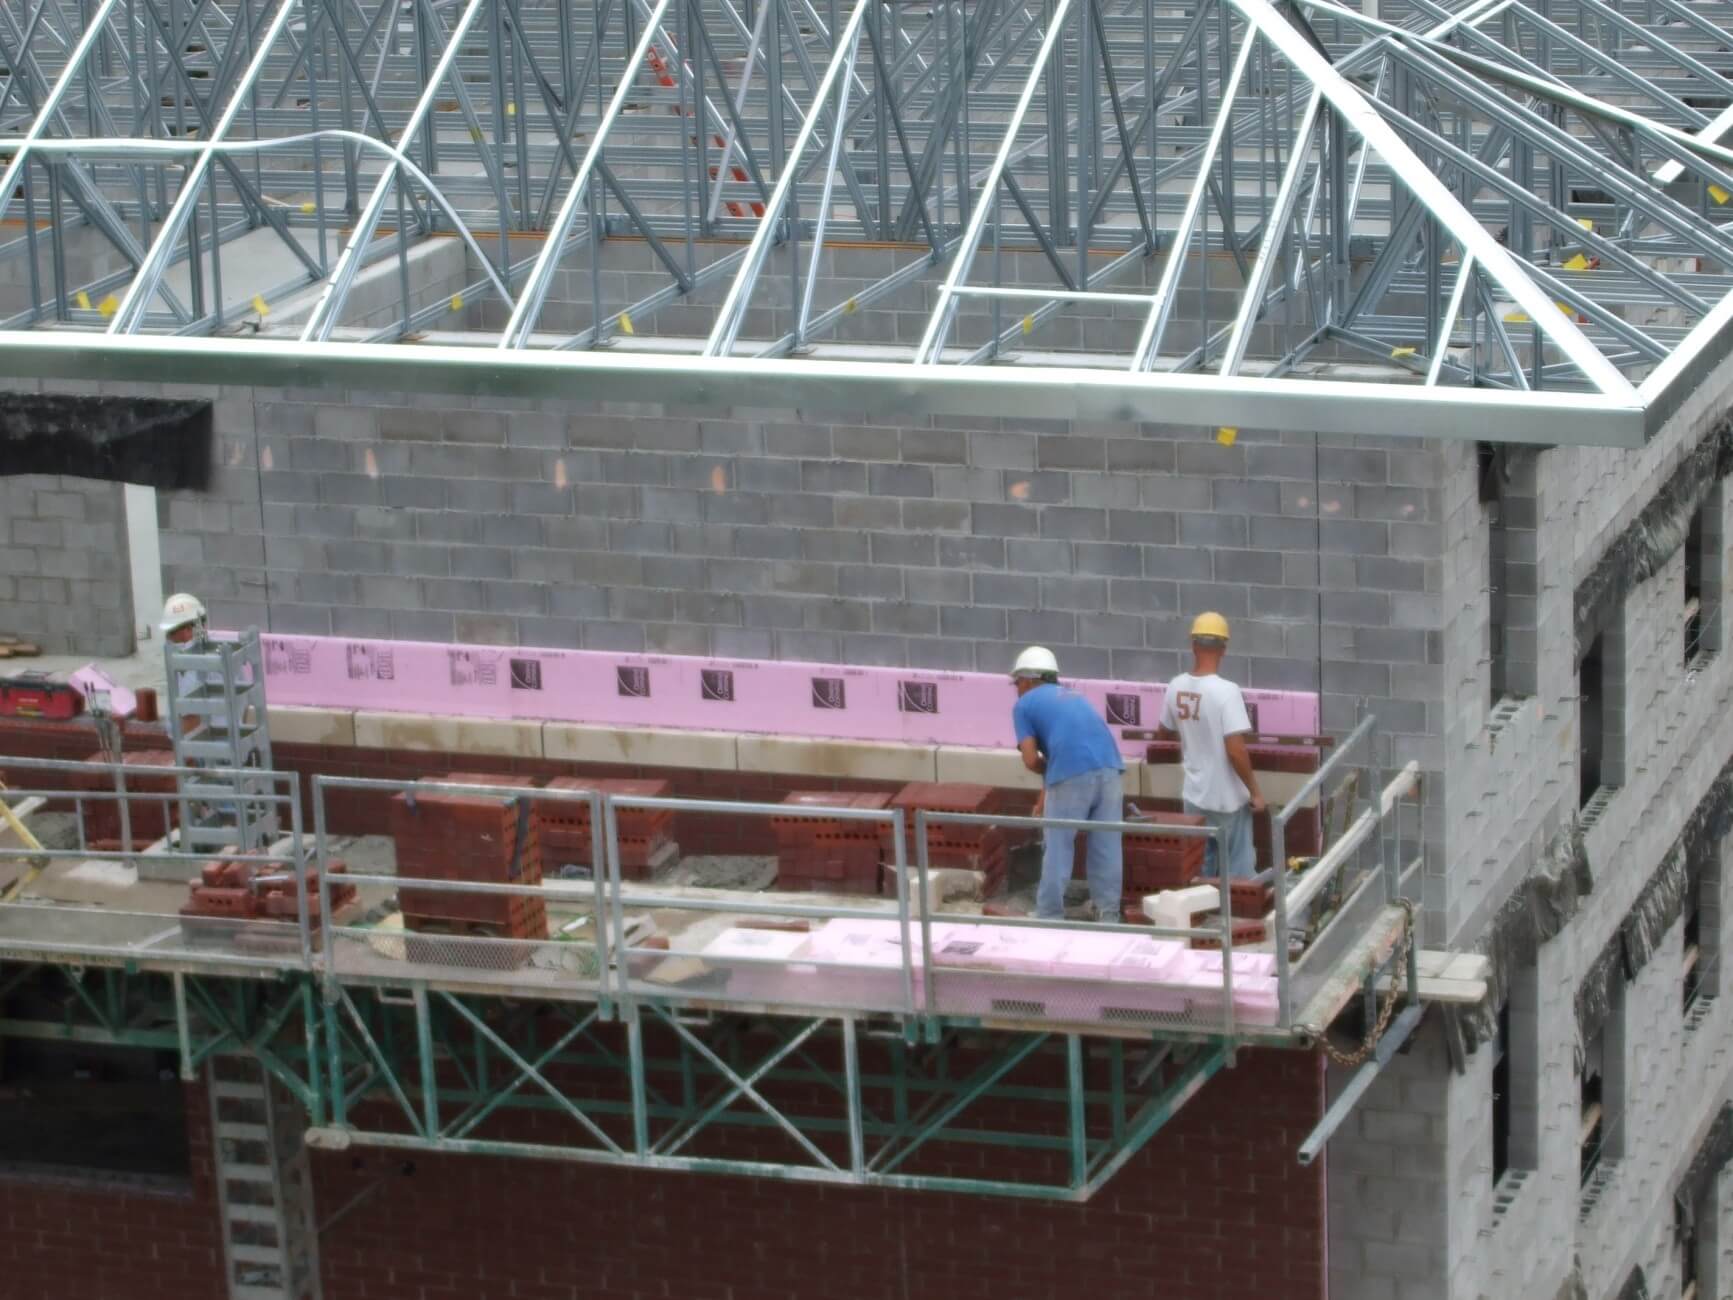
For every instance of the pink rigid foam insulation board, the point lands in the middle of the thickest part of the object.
(770, 972)
(1022, 972)
(745, 695)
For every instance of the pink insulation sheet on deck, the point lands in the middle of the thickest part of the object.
(743, 695)
(997, 971)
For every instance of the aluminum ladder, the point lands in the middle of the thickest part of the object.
(264, 1184)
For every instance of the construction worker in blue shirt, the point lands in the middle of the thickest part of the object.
(1065, 741)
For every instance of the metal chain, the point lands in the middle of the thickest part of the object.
(1359, 1055)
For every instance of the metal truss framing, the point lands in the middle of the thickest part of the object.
(1501, 218)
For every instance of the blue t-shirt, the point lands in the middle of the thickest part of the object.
(1067, 730)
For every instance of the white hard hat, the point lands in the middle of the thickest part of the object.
(1036, 661)
(180, 609)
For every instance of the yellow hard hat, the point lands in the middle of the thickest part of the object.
(1211, 625)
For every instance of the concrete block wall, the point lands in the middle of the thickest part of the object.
(788, 535)
(1511, 778)
(64, 578)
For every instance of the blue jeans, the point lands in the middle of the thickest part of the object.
(1242, 853)
(1097, 796)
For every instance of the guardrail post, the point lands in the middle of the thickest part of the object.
(321, 855)
(1278, 852)
(601, 905)
(125, 812)
(617, 909)
(1225, 884)
(923, 871)
(900, 860)
(297, 847)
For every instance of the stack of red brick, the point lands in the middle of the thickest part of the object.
(968, 846)
(646, 834)
(828, 854)
(247, 890)
(487, 838)
(150, 818)
(1157, 860)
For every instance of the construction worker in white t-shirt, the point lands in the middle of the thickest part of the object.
(1207, 713)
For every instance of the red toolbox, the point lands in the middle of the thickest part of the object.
(37, 695)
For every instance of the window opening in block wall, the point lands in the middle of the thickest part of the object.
(1501, 1100)
(1497, 601)
(1592, 1115)
(1694, 586)
(1600, 1125)
(1590, 683)
(1516, 1082)
(1703, 579)
(1700, 968)
(86, 1109)
(1693, 970)
(1685, 1233)
(1493, 472)
(1601, 711)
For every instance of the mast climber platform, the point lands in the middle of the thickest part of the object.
(634, 1034)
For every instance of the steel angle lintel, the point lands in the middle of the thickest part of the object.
(1323, 406)
(1388, 1046)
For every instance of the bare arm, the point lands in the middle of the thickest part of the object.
(1240, 759)
(1035, 763)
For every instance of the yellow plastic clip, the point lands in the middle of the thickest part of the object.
(1718, 194)
(1577, 263)
(82, 299)
(309, 207)
(457, 302)
(109, 305)
(511, 110)
(850, 307)
(1226, 435)
(1028, 324)
(260, 305)
(1396, 353)
(626, 323)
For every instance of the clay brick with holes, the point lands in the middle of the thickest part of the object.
(791, 831)
(1250, 899)
(1244, 932)
(633, 823)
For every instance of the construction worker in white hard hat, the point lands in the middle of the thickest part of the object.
(1065, 741)
(1207, 713)
(183, 622)
(183, 618)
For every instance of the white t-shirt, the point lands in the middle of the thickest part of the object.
(1205, 711)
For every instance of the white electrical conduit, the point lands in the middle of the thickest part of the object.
(130, 147)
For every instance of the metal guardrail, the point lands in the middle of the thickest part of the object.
(282, 790)
(609, 968)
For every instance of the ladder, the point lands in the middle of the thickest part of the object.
(264, 1185)
(220, 687)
